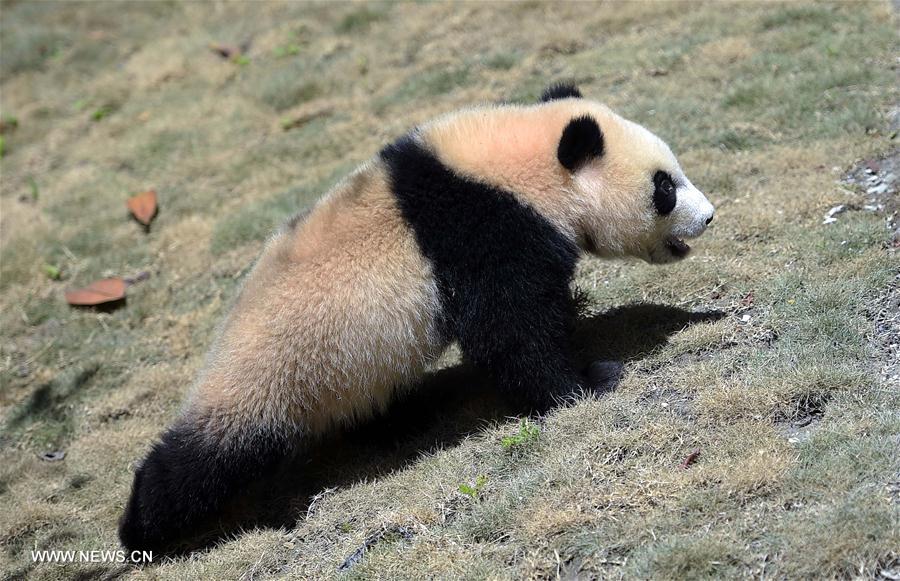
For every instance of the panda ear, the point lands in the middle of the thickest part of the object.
(560, 91)
(581, 142)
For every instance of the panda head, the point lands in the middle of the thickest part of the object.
(635, 198)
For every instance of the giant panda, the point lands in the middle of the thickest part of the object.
(466, 230)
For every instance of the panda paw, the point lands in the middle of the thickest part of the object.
(603, 376)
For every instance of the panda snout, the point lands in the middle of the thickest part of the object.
(705, 213)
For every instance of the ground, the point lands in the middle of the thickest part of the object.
(772, 350)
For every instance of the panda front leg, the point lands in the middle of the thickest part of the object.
(528, 354)
(538, 379)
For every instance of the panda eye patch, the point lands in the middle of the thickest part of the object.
(664, 196)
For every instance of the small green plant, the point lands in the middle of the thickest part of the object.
(474, 492)
(240, 59)
(52, 271)
(528, 432)
(102, 112)
(8, 123)
(287, 50)
(33, 189)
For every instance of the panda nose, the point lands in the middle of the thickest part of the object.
(708, 220)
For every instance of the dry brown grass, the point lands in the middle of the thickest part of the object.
(766, 104)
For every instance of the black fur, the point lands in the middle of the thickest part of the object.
(581, 141)
(560, 91)
(186, 480)
(503, 272)
(664, 194)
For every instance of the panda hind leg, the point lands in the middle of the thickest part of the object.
(186, 480)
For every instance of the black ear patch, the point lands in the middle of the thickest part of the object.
(665, 194)
(581, 141)
(560, 91)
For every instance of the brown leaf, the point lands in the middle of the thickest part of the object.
(143, 206)
(691, 458)
(748, 300)
(99, 292)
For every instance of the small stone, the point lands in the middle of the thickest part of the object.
(53, 456)
(872, 165)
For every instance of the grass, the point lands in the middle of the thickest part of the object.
(761, 351)
(292, 85)
(423, 85)
(359, 20)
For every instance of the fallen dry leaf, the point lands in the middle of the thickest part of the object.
(691, 458)
(99, 292)
(143, 206)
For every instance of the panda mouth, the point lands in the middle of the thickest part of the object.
(677, 247)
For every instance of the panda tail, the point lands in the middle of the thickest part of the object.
(188, 478)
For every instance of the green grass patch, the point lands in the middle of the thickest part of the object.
(288, 88)
(788, 15)
(427, 84)
(360, 20)
(502, 61)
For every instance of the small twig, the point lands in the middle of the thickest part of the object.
(357, 555)
(315, 500)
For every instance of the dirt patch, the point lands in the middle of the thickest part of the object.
(878, 181)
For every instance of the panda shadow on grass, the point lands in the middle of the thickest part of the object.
(449, 405)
